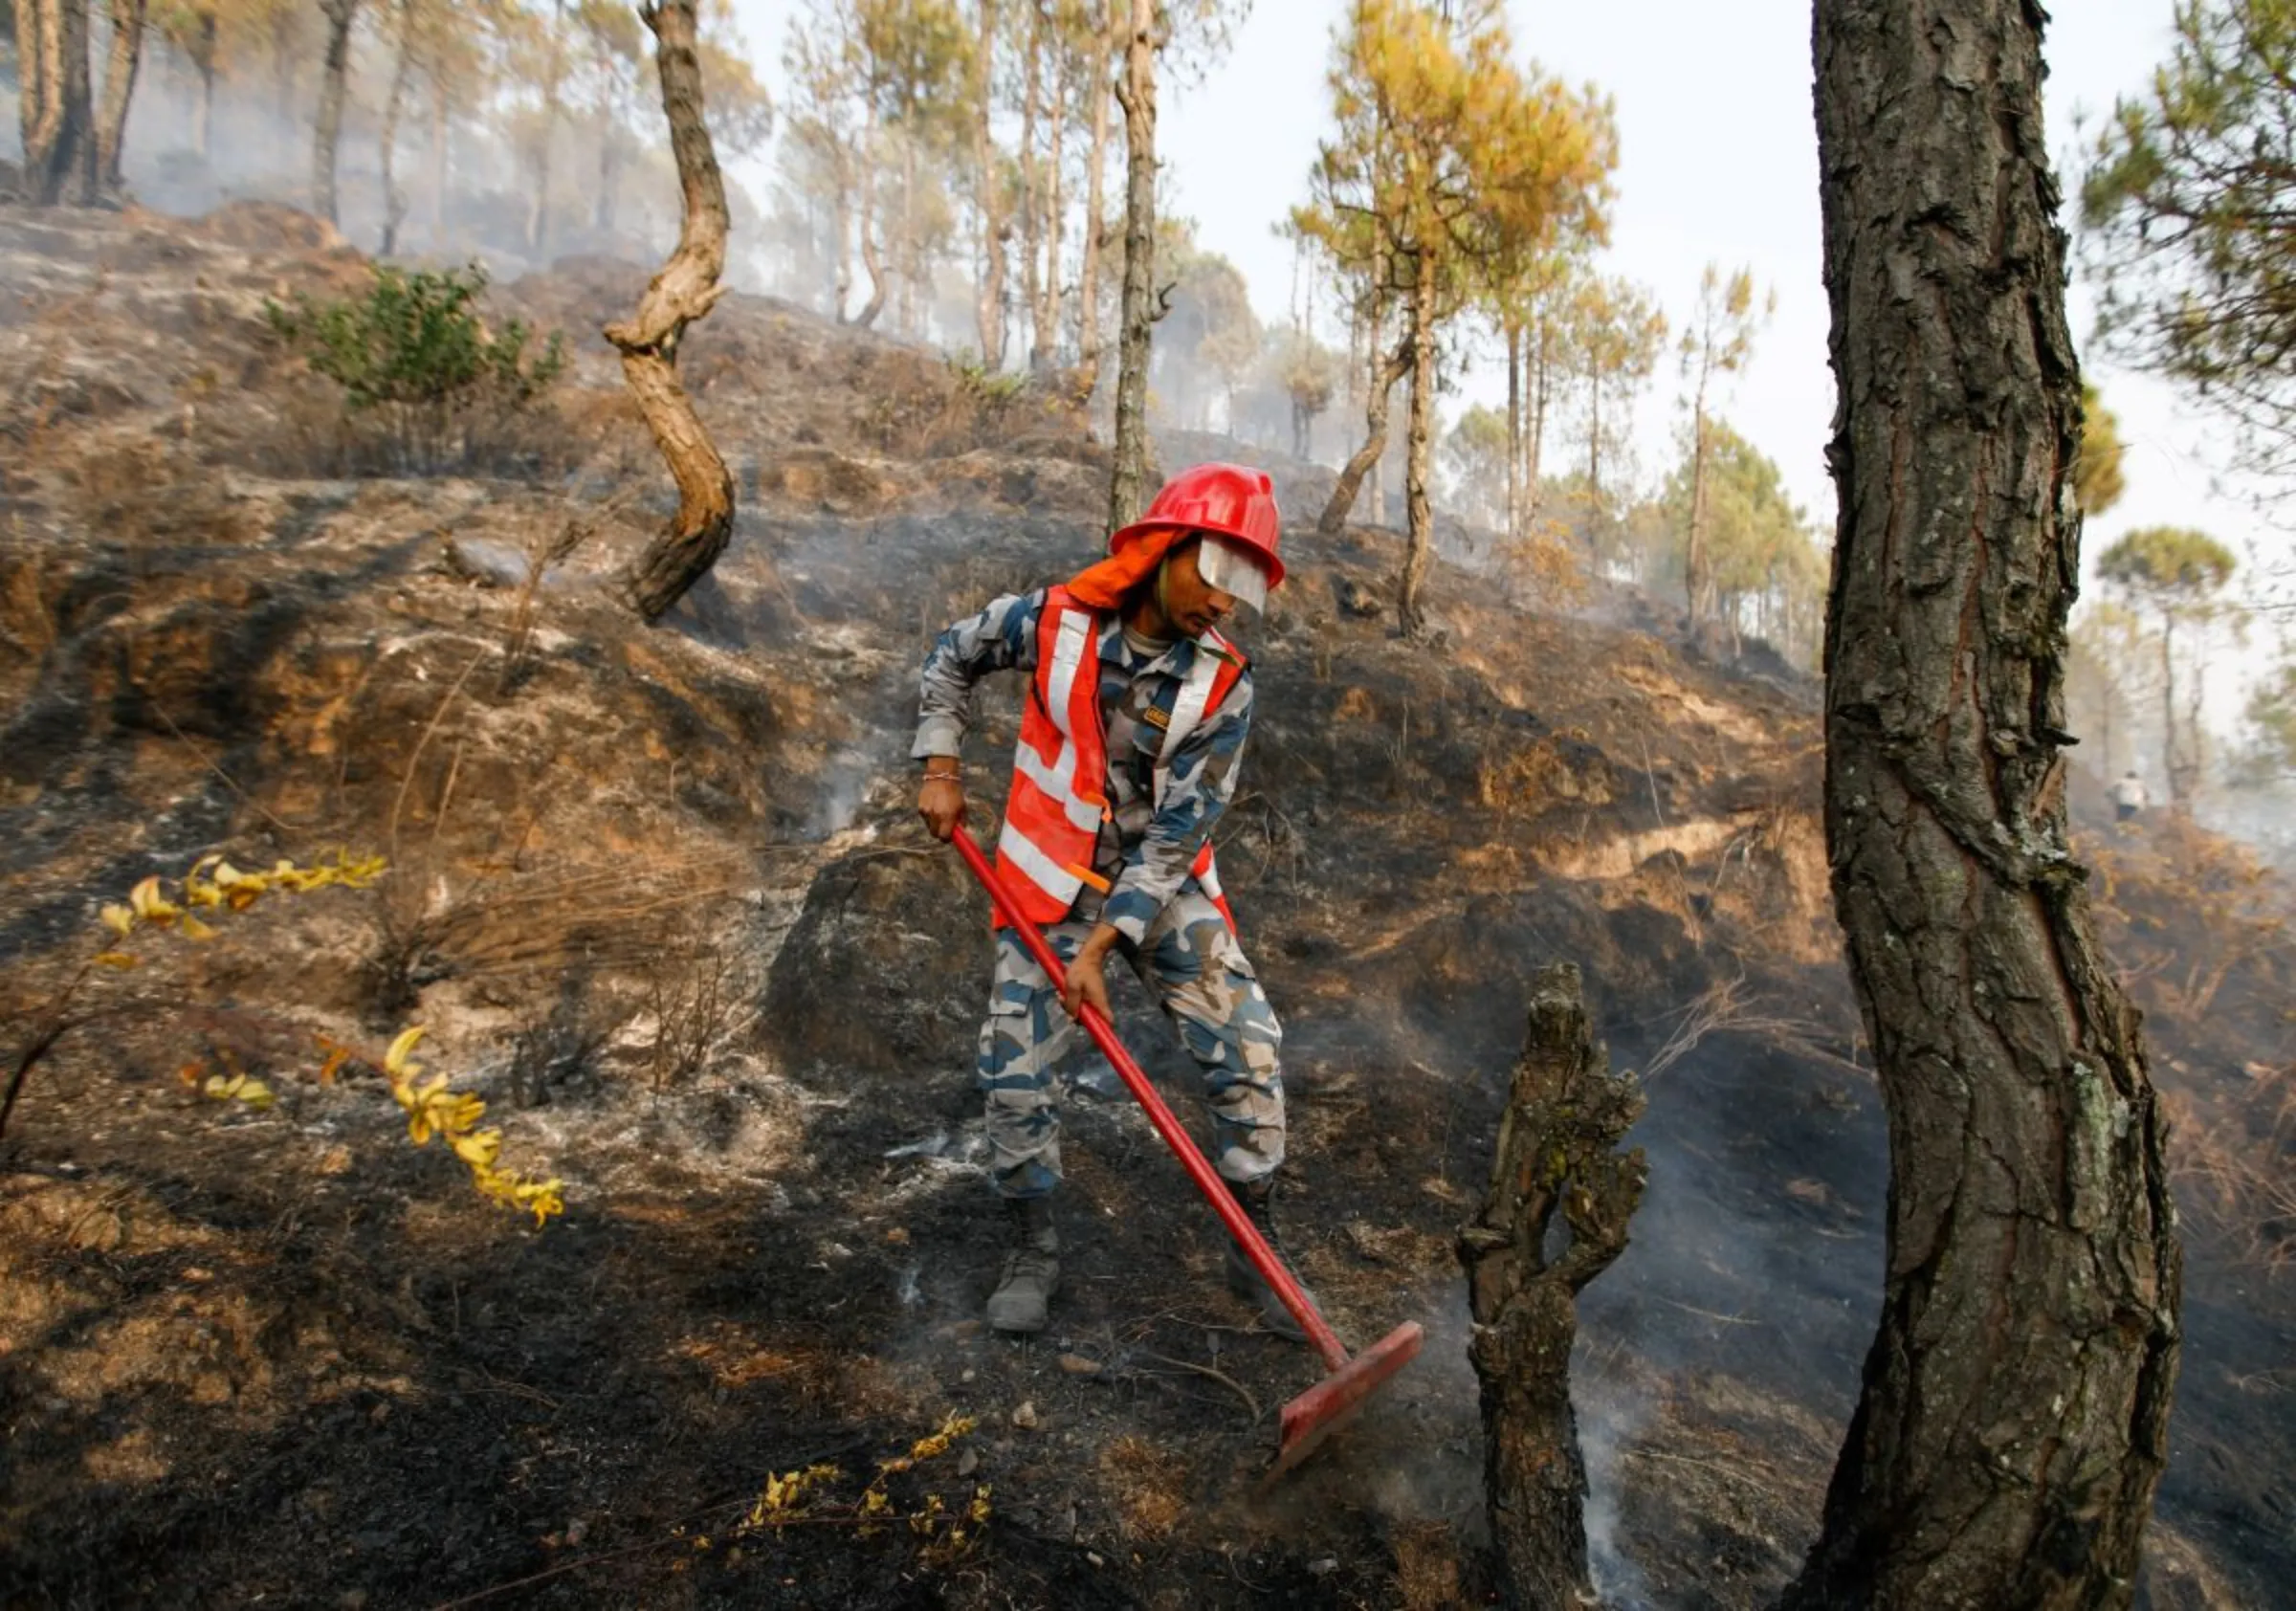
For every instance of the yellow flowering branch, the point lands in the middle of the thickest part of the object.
(453, 1115)
(800, 1497)
(213, 885)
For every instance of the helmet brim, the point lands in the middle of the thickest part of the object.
(1269, 564)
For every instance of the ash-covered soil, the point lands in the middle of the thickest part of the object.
(657, 895)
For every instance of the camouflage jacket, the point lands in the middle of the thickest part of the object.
(1144, 849)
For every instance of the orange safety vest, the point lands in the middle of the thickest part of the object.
(1060, 766)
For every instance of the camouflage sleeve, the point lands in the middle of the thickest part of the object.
(1000, 638)
(1202, 782)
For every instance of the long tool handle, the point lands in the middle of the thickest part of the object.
(1176, 1137)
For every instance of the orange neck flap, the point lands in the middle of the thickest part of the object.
(1107, 584)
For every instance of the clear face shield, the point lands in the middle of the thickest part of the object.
(1232, 569)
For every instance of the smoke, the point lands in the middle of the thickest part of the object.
(466, 193)
(1609, 1413)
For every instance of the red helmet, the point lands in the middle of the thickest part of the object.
(1226, 499)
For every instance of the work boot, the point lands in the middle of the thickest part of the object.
(1256, 1199)
(1031, 1268)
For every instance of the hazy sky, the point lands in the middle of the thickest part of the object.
(1719, 164)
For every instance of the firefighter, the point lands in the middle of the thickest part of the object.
(1131, 733)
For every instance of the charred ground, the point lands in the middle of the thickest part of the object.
(658, 895)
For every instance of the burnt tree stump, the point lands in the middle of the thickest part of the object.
(1558, 1152)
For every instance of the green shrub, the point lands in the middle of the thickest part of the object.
(417, 364)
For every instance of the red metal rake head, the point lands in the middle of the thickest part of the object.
(1332, 1403)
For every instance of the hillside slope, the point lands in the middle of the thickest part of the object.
(658, 895)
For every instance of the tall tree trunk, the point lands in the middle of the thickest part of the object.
(610, 174)
(329, 129)
(1419, 515)
(989, 305)
(1515, 430)
(1032, 203)
(1557, 1152)
(1694, 559)
(875, 305)
(1135, 93)
(841, 219)
(1596, 511)
(904, 312)
(2171, 747)
(438, 158)
(56, 113)
(283, 31)
(203, 58)
(394, 200)
(681, 292)
(2011, 1429)
(1393, 368)
(1044, 346)
(1535, 435)
(118, 89)
(1087, 284)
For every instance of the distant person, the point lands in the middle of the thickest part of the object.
(2129, 796)
(1134, 721)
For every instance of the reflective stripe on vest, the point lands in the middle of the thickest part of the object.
(1053, 814)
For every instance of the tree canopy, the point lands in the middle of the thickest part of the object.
(2191, 200)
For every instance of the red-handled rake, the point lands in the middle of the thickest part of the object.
(1328, 1406)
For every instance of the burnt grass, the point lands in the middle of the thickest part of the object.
(657, 895)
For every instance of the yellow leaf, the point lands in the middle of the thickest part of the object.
(254, 1092)
(478, 1148)
(115, 959)
(194, 928)
(394, 1060)
(120, 920)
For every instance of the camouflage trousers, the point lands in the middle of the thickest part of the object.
(1192, 964)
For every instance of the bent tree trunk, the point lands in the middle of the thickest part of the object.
(119, 86)
(681, 292)
(1557, 1152)
(329, 129)
(1342, 501)
(1135, 93)
(2011, 1429)
(55, 110)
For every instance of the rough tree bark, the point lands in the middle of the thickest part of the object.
(1135, 93)
(1419, 514)
(118, 89)
(1342, 501)
(329, 129)
(2011, 1429)
(681, 292)
(1558, 1152)
(54, 109)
